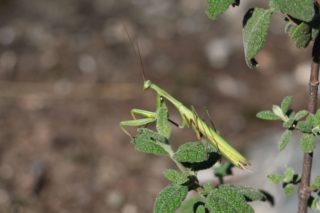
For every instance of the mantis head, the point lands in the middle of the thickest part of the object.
(147, 84)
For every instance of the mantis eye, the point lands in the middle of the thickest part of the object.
(161, 99)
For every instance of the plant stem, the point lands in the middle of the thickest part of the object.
(304, 192)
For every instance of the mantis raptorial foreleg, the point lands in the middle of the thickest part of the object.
(149, 118)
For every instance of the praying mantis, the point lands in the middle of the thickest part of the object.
(189, 119)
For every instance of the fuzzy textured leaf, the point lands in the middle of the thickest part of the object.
(153, 135)
(285, 139)
(216, 7)
(267, 115)
(201, 209)
(275, 179)
(301, 114)
(278, 112)
(300, 34)
(221, 170)
(304, 126)
(227, 200)
(163, 126)
(175, 176)
(288, 174)
(299, 9)
(188, 205)
(285, 104)
(308, 143)
(315, 185)
(289, 189)
(316, 118)
(256, 24)
(170, 198)
(290, 121)
(191, 152)
(145, 142)
(250, 194)
(315, 204)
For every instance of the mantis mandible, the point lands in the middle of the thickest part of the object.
(189, 119)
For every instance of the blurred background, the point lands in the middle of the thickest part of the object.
(69, 75)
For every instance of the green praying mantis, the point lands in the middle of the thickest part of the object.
(189, 119)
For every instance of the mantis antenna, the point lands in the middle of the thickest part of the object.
(137, 51)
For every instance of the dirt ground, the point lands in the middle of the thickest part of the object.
(68, 76)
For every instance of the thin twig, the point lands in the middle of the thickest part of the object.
(304, 192)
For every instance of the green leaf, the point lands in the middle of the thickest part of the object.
(216, 7)
(201, 209)
(289, 189)
(191, 152)
(278, 112)
(304, 126)
(316, 118)
(227, 200)
(299, 9)
(275, 179)
(163, 126)
(251, 194)
(153, 135)
(221, 170)
(189, 205)
(301, 114)
(175, 176)
(315, 204)
(170, 198)
(207, 188)
(300, 34)
(315, 185)
(267, 115)
(288, 175)
(288, 124)
(285, 104)
(256, 23)
(285, 139)
(145, 142)
(308, 143)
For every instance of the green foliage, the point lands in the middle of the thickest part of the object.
(275, 179)
(285, 139)
(149, 142)
(289, 180)
(227, 199)
(251, 194)
(170, 198)
(191, 152)
(221, 170)
(175, 176)
(163, 125)
(267, 115)
(299, 9)
(308, 142)
(192, 205)
(285, 104)
(216, 7)
(256, 23)
(315, 203)
(289, 189)
(315, 185)
(288, 175)
(300, 34)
